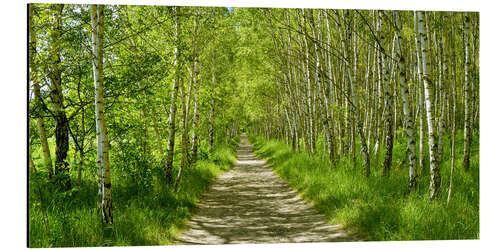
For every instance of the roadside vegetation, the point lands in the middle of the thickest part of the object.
(380, 208)
(147, 211)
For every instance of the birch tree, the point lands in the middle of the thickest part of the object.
(403, 82)
(173, 104)
(421, 101)
(56, 91)
(454, 110)
(356, 109)
(468, 95)
(196, 114)
(36, 89)
(387, 99)
(309, 87)
(102, 159)
(435, 181)
(212, 105)
(185, 106)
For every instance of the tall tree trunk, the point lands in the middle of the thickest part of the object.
(97, 16)
(435, 180)
(389, 136)
(355, 107)
(410, 135)
(173, 106)
(309, 90)
(468, 95)
(185, 106)
(81, 149)
(355, 114)
(442, 93)
(316, 74)
(194, 135)
(38, 98)
(454, 110)
(62, 124)
(372, 101)
(293, 90)
(330, 116)
(377, 107)
(380, 98)
(421, 100)
(212, 106)
(323, 96)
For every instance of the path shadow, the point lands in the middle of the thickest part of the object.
(250, 204)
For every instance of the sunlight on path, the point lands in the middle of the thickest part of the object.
(251, 204)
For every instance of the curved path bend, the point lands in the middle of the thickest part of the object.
(251, 204)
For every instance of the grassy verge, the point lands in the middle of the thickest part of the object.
(146, 211)
(379, 208)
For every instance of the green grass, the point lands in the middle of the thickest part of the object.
(379, 208)
(146, 211)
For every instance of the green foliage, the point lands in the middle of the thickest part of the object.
(146, 210)
(380, 208)
(240, 77)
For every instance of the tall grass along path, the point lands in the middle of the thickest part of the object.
(250, 204)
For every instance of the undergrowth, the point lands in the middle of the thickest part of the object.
(380, 208)
(146, 210)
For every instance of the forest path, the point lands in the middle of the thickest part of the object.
(251, 204)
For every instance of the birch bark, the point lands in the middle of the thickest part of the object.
(468, 95)
(309, 90)
(410, 136)
(173, 106)
(420, 96)
(38, 99)
(387, 101)
(435, 180)
(355, 107)
(185, 106)
(194, 134)
(97, 18)
(454, 111)
(55, 74)
(212, 105)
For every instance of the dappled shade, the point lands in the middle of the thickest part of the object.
(250, 204)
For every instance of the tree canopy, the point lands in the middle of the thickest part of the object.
(151, 100)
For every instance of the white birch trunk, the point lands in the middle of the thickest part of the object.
(420, 96)
(185, 106)
(410, 136)
(355, 108)
(468, 95)
(442, 94)
(454, 112)
(387, 102)
(173, 107)
(309, 91)
(331, 126)
(194, 135)
(97, 18)
(212, 106)
(435, 181)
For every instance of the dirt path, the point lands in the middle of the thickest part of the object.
(251, 204)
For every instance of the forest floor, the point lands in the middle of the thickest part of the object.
(251, 204)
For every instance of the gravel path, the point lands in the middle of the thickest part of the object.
(251, 204)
